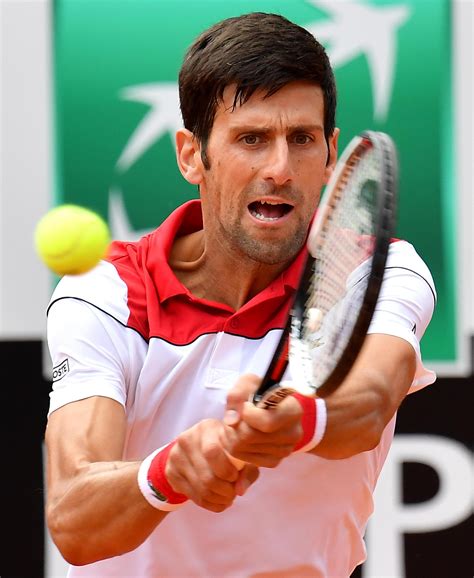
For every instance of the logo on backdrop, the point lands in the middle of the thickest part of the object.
(356, 29)
(116, 121)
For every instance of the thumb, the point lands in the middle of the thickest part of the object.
(241, 392)
(247, 476)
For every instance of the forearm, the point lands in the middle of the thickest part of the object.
(101, 513)
(359, 410)
(355, 424)
(96, 509)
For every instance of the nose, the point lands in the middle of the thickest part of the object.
(277, 166)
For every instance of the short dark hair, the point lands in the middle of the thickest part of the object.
(253, 51)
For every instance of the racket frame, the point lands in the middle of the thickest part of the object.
(270, 392)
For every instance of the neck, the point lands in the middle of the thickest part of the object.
(219, 275)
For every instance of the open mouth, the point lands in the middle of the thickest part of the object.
(268, 210)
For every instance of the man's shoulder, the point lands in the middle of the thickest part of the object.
(403, 255)
(101, 287)
(116, 286)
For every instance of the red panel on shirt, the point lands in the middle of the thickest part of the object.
(160, 306)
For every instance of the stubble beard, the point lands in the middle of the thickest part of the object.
(264, 251)
(267, 251)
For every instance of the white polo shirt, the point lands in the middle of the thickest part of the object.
(129, 330)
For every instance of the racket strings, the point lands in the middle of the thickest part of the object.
(342, 261)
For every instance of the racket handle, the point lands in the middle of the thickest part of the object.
(272, 396)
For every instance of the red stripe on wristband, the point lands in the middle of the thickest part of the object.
(157, 478)
(308, 419)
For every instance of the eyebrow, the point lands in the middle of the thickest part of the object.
(265, 129)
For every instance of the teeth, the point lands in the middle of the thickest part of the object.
(261, 217)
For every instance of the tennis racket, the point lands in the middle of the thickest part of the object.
(339, 287)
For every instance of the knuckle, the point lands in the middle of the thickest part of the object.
(198, 501)
(175, 460)
(214, 503)
(207, 480)
(229, 472)
(183, 442)
(211, 450)
(173, 478)
(202, 502)
(207, 495)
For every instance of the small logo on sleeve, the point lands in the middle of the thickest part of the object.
(60, 370)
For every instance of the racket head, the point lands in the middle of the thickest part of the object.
(348, 245)
(340, 284)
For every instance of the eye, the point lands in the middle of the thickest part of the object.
(302, 138)
(251, 139)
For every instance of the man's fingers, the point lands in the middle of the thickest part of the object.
(271, 420)
(243, 389)
(247, 477)
(191, 475)
(264, 437)
(199, 467)
(245, 435)
(267, 458)
(210, 500)
(222, 467)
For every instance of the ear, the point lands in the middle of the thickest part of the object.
(333, 140)
(188, 154)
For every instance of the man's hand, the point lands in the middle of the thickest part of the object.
(199, 467)
(259, 436)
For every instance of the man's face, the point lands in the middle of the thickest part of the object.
(268, 162)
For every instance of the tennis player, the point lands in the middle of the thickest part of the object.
(161, 344)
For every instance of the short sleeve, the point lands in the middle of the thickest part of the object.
(90, 352)
(406, 304)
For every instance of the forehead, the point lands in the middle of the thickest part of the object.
(295, 104)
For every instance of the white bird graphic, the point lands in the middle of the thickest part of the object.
(163, 117)
(356, 28)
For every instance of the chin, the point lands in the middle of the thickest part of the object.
(270, 254)
(267, 247)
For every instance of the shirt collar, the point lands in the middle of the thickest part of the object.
(187, 219)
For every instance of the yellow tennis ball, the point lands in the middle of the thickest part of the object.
(71, 239)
